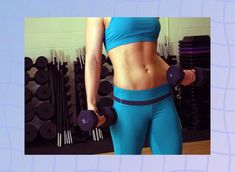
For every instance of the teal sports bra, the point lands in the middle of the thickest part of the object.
(124, 30)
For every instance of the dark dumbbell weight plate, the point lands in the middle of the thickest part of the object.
(191, 66)
(31, 132)
(195, 55)
(202, 76)
(175, 75)
(192, 61)
(29, 112)
(105, 102)
(105, 88)
(109, 61)
(194, 48)
(104, 72)
(43, 93)
(41, 76)
(87, 120)
(48, 130)
(201, 58)
(27, 78)
(41, 62)
(28, 94)
(45, 110)
(110, 115)
(193, 45)
(28, 63)
(103, 59)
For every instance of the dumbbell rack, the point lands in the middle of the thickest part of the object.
(39, 112)
(194, 51)
(52, 117)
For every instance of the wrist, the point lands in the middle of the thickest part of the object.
(91, 107)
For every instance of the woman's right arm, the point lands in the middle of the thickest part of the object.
(93, 43)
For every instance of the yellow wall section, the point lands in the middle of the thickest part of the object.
(43, 34)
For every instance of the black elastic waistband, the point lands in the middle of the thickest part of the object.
(146, 102)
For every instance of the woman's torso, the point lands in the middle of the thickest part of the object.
(136, 65)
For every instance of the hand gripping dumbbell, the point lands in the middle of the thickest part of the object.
(175, 75)
(88, 120)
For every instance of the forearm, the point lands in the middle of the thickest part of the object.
(92, 79)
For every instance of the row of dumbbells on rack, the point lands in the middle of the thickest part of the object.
(49, 113)
(194, 51)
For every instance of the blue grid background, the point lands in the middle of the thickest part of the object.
(12, 158)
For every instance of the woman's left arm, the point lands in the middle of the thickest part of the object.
(189, 76)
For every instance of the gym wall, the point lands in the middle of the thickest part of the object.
(43, 34)
(180, 27)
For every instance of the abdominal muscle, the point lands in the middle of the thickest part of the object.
(136, 65)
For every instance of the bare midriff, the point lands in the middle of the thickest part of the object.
(137, 66)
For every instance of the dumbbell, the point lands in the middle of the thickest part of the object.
(106, 60)
(175, 75)
(45, 110)
(28, 94)
(31, 132)
(41, 76)
(27, 78)
(104, 72)
(28, 63)
(41, 62)
(29, 112)
(103, 59)
(105, 101)
(42, 93)
(48, 130)
(105, 88)
(87, 119)
(109, 61)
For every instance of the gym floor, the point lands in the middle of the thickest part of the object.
(189, 148)
(195, 142)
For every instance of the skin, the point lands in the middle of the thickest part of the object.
(136, 65)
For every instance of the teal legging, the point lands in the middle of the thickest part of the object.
(147, 113)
